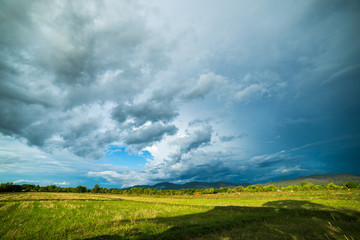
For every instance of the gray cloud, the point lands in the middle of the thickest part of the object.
(153, 111)
(195, 138)
(210, 172)
(205, 84)
(229, 138)
(273, 160)
(62, 68)
(148, 134)
(117, 73)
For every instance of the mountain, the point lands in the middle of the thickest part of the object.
(324, 179)
(189, 185)
(338, 179)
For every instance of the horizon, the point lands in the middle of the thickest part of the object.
(124, 93)
(180, 184)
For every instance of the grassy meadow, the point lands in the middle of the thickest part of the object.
(258, 215)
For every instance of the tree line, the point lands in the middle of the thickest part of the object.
(10, 187)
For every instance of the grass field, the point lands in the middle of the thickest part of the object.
(273, 215)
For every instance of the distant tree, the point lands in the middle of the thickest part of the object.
(43, 189)
(332, 186)
(80, 189)
(190, 191)
(302, 184)
(253, 188)
(68, 189)
(312, 186)
(239, 189)
(224, 189)
(96, 189)
(114, 191)
(7, 187)
(27, 187)
(51, 188)
(152, 191)
(103, 190)
(351, 185)
(36, 188)
(270, 188)
(287, 188)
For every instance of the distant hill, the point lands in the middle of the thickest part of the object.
(338, 179)
(189, 185)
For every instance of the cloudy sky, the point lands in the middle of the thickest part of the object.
(139, 92)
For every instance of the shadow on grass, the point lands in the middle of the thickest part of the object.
(292, 204)
(285, 219)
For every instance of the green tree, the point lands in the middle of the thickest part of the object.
(253, 188)
(80, 189)
(152, 191)
(351, 185)
(304, 186)
(43, 189)
(51, 188)
(332, 186)
(239, 189)
(96, 189)
(270, 188)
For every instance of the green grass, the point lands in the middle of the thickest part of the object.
(273, 215)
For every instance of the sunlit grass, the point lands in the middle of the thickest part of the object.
(273, 215)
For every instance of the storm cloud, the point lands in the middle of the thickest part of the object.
(63, 72)
(240, 91)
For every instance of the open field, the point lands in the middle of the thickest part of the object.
(259, 215)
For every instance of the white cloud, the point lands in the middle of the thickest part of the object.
(266, 157)
(258, 85)
(248, 91)
(284, 169)
(124, 179)
(25, 181)
(108, 175)
(64, 183)
(205, 84)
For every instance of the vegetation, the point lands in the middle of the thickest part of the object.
(10, 187)
(331, 214)
(304, 211)
(338, 179)
(190, 185)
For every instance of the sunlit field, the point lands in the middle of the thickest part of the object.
(259, 215)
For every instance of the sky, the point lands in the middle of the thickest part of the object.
(122, 93)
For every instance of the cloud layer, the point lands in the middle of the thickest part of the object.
(235, 91)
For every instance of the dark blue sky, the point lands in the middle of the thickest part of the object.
(131, 92)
